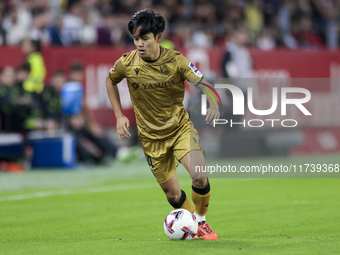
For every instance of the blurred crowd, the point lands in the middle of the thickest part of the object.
(270, 23)
(26, 104)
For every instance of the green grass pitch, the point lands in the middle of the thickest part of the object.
(120, 209)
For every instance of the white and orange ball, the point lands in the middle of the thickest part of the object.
(180, 224)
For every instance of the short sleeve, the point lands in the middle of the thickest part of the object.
(117, 72)
(189, 70)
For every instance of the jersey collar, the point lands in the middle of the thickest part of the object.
(153, 61)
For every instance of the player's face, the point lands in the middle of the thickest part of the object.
(147, 45)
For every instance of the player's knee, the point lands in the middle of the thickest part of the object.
(199, 182)
(172, 197)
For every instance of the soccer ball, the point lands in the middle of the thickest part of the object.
(180, 224)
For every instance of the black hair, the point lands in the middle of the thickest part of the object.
(37, 11)
(57, 73)
(147, 21)
(76, 66)
(25, 66)
(35, 43)
(72, 3)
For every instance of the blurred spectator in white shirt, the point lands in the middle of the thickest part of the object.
(202, 38)
(88, 33)
(15, 31)
(237, 61)
(72, 24)
(266, 41)
(93, 16)
(39, 32)
(23, 8)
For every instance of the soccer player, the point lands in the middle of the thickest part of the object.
(155, 77)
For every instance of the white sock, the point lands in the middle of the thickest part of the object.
(199, 218)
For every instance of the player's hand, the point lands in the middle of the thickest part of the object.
(123, 126)
(212, 113)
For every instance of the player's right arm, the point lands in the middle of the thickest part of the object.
(195, 77)
(116, 74)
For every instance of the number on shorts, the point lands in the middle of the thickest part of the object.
(149, 159)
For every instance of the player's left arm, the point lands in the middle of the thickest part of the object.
(195, 77)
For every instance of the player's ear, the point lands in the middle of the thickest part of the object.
(159, 37)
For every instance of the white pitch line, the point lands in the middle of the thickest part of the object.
(70, 191)
(89, 190)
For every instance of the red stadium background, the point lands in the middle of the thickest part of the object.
(280, 63)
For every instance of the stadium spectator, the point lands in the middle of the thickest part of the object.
(32, 50)
(93, 16)
(237, 62)
(14, 28)
(19, 108)
(51, 102)
(182, 36)
(202, 38)
(254, 17)
(74, 21)
(205, 13)
(327, 21)
(88, 33)
(285, 23)
(55, 32)
(24, 9)
(72, 24)
(305, 36)
(7, 81)
(2, 31)
(28, 100)
(92, 144)
(13, 108)
(106, 31)
(127, 7)
(237, 67)
(41, 19)
(106, 7)
(266, 40)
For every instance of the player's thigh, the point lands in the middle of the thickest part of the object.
(187, 146)
(160, 159)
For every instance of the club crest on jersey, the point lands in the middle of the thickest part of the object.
(165, 70)
(195, 70)
(137, 70)
(135, 85)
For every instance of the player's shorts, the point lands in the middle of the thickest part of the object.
(161, 155)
